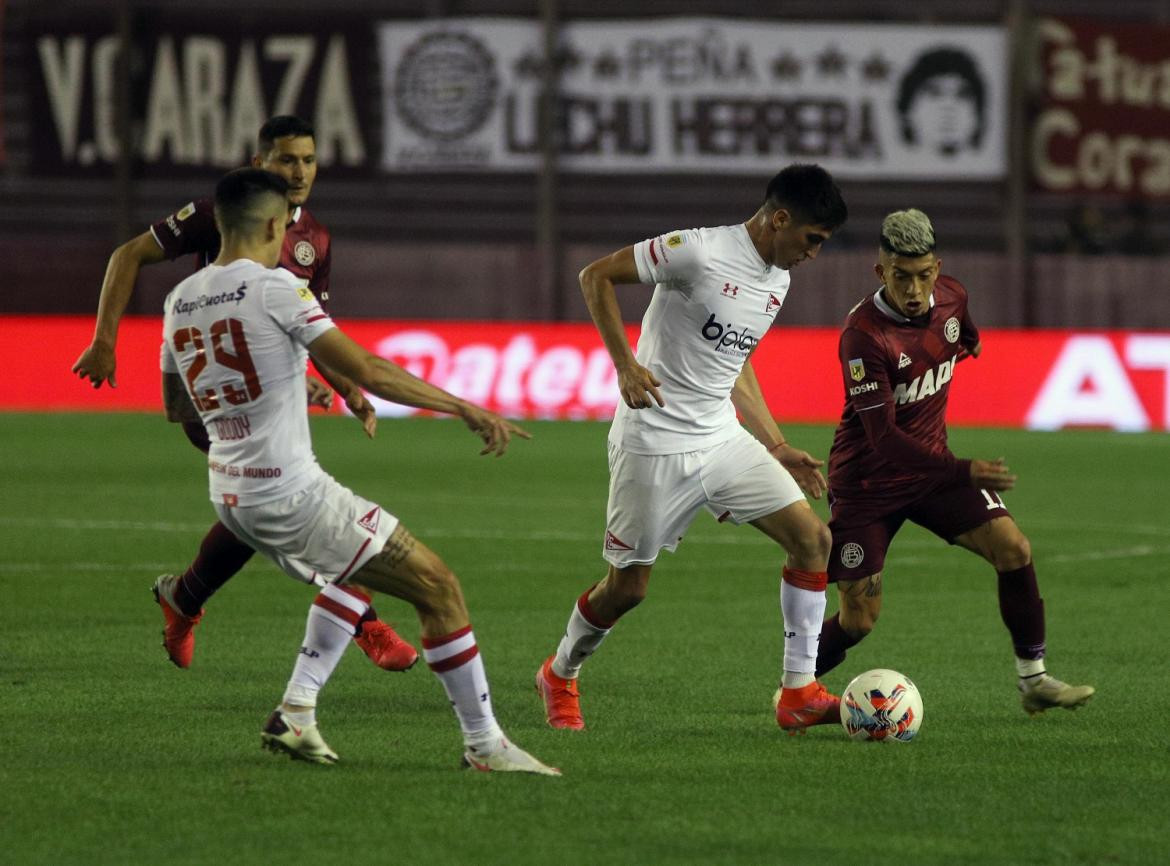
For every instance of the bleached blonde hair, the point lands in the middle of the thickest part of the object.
(907, 233)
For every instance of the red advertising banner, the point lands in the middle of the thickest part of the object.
(1102, 121)
(1044, 380)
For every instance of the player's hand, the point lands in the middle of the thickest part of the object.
(319, 393)
(638, 385)
(97, 363)
(991, 475)
(363, 410)
(805, 468)
(495, 431)
(973, 352)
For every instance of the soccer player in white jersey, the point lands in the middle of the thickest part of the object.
(237, 335)
(675, 445)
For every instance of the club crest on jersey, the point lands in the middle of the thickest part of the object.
(951, 329)
(856, 369)
(773, 303)
(730, 291)
(904, 361)
(852, 554)
(304, 253)
(369, 520)
(612, 542)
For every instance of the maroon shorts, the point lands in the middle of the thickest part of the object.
(862, 530)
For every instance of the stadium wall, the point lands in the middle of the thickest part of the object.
(1044, 379)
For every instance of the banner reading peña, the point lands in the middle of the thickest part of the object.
(697, 94)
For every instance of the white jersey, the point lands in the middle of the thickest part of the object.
(237, 334)
(714, 299)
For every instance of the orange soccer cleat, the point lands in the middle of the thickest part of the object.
(806, 706)
(178, 633)
(562, 702)
(384, 647)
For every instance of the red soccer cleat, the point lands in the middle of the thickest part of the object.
(178, 635)
(562, 702)
(807, 706)
(384, 647)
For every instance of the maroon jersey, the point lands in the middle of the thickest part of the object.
(306, 251)
(893, 435)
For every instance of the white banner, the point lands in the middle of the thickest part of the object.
(698, 94)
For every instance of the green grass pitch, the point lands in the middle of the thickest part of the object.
(110, 755)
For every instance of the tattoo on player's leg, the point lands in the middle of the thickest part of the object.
(398, 546)
(870, 587)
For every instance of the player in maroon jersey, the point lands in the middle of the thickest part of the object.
(286, 146)
(890, 462)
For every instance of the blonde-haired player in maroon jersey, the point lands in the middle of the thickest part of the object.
(890, 462)
(286, 146)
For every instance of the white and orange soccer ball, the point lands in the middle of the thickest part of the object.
(881, 705)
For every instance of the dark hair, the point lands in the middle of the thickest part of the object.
(238, 193)
(809, 193)
(282, 126)
(932, 64)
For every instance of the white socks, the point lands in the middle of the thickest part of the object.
(456, 661)
(333, 616)
(1029, 667)
(802, 602)
(581, 640)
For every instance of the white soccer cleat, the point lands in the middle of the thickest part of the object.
(1045, 692)
(504, 757)
(301, 743)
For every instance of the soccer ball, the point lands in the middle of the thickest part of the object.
(881, 705)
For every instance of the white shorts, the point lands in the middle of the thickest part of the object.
(654, 498)
(322, 534)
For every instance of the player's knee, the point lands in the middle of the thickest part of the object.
(628, 587)
(858, 622)
(1015, 552)
(440, 589)
(813, 546)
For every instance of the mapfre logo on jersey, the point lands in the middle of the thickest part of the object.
(304, 253)
(369, 520)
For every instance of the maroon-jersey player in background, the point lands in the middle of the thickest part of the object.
(286, 146)
(890, 463)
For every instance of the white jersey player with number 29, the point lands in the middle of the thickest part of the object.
(237, 335)
(676, 446)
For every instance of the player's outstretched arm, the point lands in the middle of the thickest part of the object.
(354, 399)
(98, 362)
(638, 385)
(338, 352)
(748, 399)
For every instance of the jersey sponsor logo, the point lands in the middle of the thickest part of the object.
(728, 340)
(612, 542)
(856, 369)
(773, 303)
(304, 253)
(185, 211)
(861, 389)
(173, 226)
(730, 291)
(904, 361)
(852, 554)
(951, 329)
(183, 308)
(369, 520)
(305, 295)
(929, 383)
